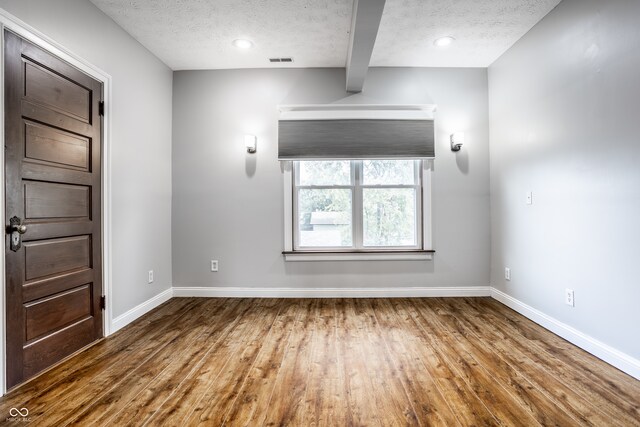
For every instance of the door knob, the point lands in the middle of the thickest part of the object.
(16, 228)
(20, 229)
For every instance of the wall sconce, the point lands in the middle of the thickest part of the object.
(457, 140)
(250, 142)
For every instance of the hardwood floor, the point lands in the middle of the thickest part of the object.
(330, 362)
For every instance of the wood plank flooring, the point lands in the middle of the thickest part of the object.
(330, 362)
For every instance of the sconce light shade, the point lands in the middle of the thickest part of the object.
(457, 141)
(250, 142)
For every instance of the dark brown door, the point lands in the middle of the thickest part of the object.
(52, 181)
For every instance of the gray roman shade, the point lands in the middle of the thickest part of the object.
(341, 138)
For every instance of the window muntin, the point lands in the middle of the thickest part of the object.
(357, 205)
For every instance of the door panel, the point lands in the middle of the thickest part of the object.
(48, 145)
(53, 183)
(47, 257)
(52, 313)
(48, 200)
(44, 352)
(56, 92)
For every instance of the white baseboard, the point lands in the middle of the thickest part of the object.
(239, 292)
(614, 357)
(137, 311)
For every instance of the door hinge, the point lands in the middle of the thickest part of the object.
(103, 302)
(101, 108)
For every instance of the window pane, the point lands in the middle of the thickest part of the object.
(325, 173)
(324, 218)
(389, 216)
(388, 172)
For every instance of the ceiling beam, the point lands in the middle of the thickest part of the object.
(364, 29)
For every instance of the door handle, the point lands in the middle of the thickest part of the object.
(16, 228)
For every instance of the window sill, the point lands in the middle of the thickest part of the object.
(420, 255)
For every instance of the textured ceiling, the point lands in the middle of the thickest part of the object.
(483, 30)
(197, 34)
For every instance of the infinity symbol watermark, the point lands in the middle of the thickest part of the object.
(15, 412)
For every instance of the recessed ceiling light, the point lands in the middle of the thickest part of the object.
(243, 43)
(444, 41)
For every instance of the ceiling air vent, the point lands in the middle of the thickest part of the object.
(280, 59)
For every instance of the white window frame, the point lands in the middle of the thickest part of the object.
(422, 251)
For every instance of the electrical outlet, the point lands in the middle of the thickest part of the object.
(507, 273)
(214, 265)
(569, 297)
(150, 276)
(529, 198)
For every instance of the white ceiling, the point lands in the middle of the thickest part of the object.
(483, 30)
(197, 34)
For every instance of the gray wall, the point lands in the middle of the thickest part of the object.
(228, 205)
(565, 124)
(140, 140)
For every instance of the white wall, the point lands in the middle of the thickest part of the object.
(140, 139)
(565, 124)
(228, 205)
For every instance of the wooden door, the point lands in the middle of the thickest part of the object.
(52, 185)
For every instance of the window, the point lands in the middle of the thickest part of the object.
(364, 209)
(357, 206)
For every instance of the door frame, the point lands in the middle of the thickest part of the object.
(27, 32)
